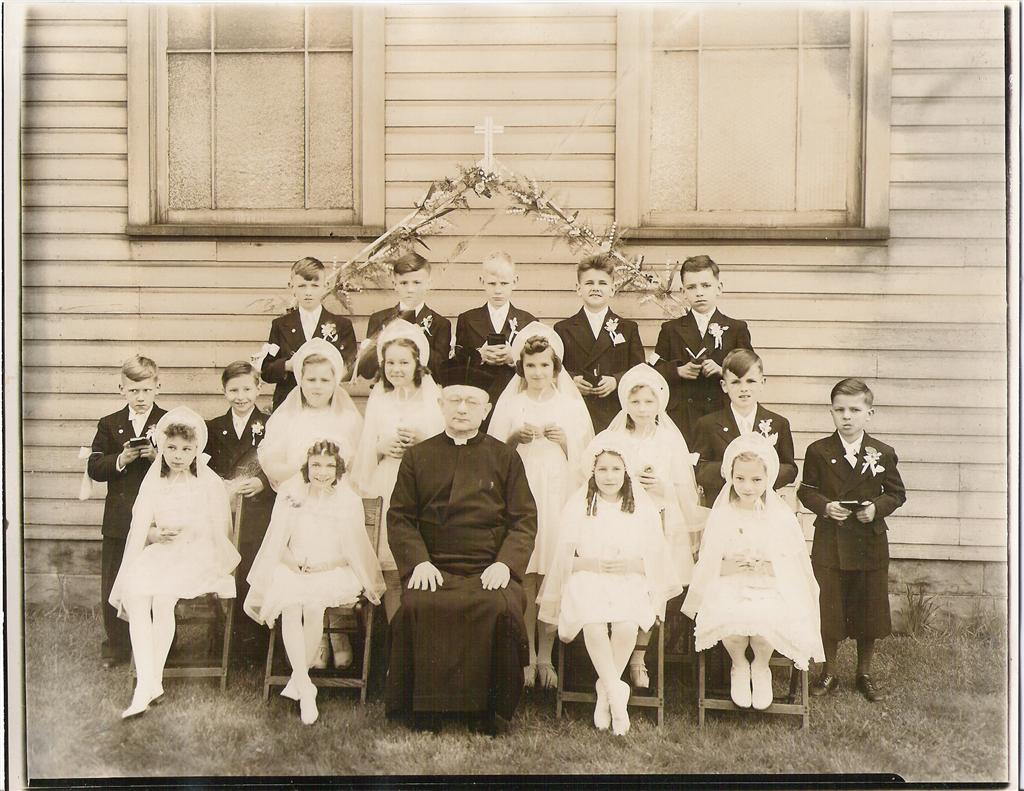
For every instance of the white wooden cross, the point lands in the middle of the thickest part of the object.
(488, 130)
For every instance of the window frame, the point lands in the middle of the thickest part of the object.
(632, 140)
(147, 155)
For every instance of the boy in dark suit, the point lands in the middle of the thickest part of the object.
(309, 319)
(233, 439)
(742, 380)
(600, 346)
(475, 329)
(691, 348)
(121, 455)
(851, 484)
(412, 284)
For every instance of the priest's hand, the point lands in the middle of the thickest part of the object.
(425, 577)
(495, 576)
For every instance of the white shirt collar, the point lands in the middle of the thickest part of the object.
(415, 309)
(139, 421)
(241, 422)
(309, 320)
(703, 320)
(459, 440)
(744, 424)
(852, 447)
(596, 319)
(498, 317)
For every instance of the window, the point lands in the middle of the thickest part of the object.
(750, 120)
(255, 119)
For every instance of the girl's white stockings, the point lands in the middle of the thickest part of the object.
(151, 628)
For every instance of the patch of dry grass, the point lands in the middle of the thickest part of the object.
(945, 719)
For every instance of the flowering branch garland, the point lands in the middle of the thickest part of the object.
(370, 265)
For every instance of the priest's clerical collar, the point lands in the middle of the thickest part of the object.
(464, 440)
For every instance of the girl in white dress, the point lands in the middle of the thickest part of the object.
(316, 555)
(753, 584)
(663, 465)
(178, 547)
(318, 407)
(611, 571)
(542, 413)
(402, 410)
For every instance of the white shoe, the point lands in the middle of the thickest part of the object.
(618, 698)
(602, 711)
(546, 675)
(638, 673)
(139, 705)
(529, 676)
(342, 649)
(291, 690)
(761, 681)
(308, 712)
(320, 663)
(740, 688)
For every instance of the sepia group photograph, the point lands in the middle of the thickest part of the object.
(517, 393)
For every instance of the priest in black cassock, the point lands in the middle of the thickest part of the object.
(461, 525)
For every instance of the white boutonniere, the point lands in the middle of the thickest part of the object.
(427, 321)
(612, 328)
(765, 427)
(329, 332)
(717, 331)
(871, 459)
(257, 430)
(513, 328)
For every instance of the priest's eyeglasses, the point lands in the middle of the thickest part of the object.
(472, 402)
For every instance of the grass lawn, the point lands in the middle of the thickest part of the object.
(945, 719)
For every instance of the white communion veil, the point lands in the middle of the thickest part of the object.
(292, 426)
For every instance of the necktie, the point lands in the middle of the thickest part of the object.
(851, 456)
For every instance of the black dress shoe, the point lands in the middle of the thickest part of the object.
(867, 689)
(826, 684)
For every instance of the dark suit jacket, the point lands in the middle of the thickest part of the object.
(439, 332)
(226, 451)
(286, 332)
(717, 430)
(691, 399)
(583, 354)
(828, 477)
(112, 432)
(471, 331)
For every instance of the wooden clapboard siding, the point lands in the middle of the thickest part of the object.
(921, 316)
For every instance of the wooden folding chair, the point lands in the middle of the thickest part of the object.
(654, 699)
(787, 706)
(356, 621)
(204, 612)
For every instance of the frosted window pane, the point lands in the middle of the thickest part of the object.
(188, 27)
(241, 27)
(830, 26)
(260, 137)
(674, 27)
(188, 131)
(824, 129)
(330, 131)
(749, 26)
(330, 26)
(674, 132)
(748, 130)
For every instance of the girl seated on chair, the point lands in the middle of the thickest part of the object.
(753, 583)
(611, 570)
(543, 414)
(178, 547)
(316, 555)
(318, 407)
(663, 466)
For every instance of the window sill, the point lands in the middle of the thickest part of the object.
(653, 233)
(257, 231)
